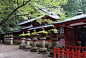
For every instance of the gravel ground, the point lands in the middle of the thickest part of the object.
(12, 51)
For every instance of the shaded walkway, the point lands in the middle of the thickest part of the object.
(12, 51)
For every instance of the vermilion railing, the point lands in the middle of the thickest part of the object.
(68, 54)
(75, 48)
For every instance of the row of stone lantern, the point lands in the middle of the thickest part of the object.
(8, 39)
(42, 34)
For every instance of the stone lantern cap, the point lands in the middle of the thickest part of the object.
(34, 33)
(53, 31)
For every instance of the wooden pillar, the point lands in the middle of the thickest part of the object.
(65, 37)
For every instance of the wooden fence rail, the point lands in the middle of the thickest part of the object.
(75, 48)
(68, 54)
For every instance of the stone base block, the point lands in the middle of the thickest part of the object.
(27, 47)
(22, 47)
(34, 49)
(51, 53)
(11, 43)
(42, 50)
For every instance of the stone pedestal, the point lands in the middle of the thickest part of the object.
(11, 40)
(34, 48)
(7, 40)
(43, 49)
(54, 43)
(22, 46)
(28, 44)
(4, 39)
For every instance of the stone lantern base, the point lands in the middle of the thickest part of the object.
(43, 50)
(27, 47)
(34, 49)
(22, 46)
(51, 53)
(54, 44)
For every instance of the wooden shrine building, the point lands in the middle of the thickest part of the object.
(32, 24)
(74, 31)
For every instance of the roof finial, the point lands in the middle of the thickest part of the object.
(80, 12)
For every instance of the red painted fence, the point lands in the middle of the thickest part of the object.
(68, 54)
(76, 48)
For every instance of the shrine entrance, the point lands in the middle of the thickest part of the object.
(70, 37)
(81, 36)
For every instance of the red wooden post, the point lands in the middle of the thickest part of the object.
(58, 52)
(82, 50)
(65, 37)
(67, 53)
(84, 54)
(62, 52)
(69, 48)
(78, 53)
(72, 53)
(54, 52)
(75, 48)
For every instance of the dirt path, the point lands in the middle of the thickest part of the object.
(12, 51)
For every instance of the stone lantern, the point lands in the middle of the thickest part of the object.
(4, 38)
(34, 35)
(54, 39)
(28, 41)
(11, 38)
(22, 46)
(42, 38)
(7, 39)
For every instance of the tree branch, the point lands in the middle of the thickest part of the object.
(18, 15)
(14, 11)
(23, 1)
(17, 3)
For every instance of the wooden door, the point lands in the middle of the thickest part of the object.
(70, 37)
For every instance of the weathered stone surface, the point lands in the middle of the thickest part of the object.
(28, 44)
(43, 50)
(22, 46)
(34, 49)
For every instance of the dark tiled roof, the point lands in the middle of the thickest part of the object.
(27, 27)
(77, 17)
(29, 20)
(42, 26)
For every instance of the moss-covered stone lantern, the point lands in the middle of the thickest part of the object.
(28, 40)
(22, 46)
(53, 33)
(42, 38)
(34, 38)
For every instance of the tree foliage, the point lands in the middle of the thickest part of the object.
(15, 11)
(71, 8)
(83, 6)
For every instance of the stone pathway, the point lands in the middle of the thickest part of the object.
(12, 51)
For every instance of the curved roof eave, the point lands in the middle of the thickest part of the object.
(78, 17)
